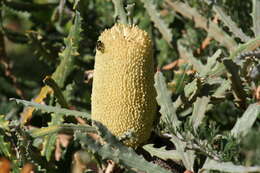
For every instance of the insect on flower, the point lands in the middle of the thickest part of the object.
(100, 46)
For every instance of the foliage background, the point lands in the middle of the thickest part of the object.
(32, 39)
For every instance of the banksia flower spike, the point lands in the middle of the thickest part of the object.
(123, 95)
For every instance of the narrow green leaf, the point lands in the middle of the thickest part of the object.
(60, 128)
(158, 22)
(199, 110)
(244, 124)
(187, 55)
(227, 167)
(163, 153)
(187, 156)
(211, 65)
(68, 55)
(231, 24)
(256, 17)
(237, 84)
(164, 100)
(116, 151)
(220, 92)
(5, 147)
(191, 88)
(49, 146)
(51, 109)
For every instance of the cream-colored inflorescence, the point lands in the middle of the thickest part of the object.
(123, 95)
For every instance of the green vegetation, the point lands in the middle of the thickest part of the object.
(208, 86)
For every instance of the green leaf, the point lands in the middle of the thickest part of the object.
(187, 55)
(116, 151)
(4, 124)
(158, 22)
(211, 65)
(187, 156)
(61, 128)
(227, 167)
(256, 17)
(163, 98)
(236, 80)
(163, 153)
(191, 88)
(199, 110)
(51, 109)
(224, 86)
(244, 124)
(5, 147)
(68, 55)
(231, 24)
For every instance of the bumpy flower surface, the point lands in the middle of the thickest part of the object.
(123, 95)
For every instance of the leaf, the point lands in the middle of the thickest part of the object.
(236, 80)
(227, 167)
(191, 88)
(187, 156)
(163, 153)
(51, 109)
(224, 86)
(5, 147)
(49, 146)
(187, 55)
(60, 128)
(116, 151)
(256, 17)
(158, 22)
(231, 24)
(199, 110)
(4, 124)
(213, 29)
(67, 56)
(163, 98)
(244, 124)
(211, 65)
(180, 78)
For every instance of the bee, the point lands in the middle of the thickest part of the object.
(100, 46)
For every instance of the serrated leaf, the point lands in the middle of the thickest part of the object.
(248, 46)
(187, 55)
(49, 146)
(163, 153)
(236, 80)
(51, 109)
(227, 167)
(67, 55)
(231, 24)
(158, 22)
(187, 156)
(180, 79)
(117, 152)
(199, 110)
(163, 98)
(191, 88)
(224, 86)
(244, 124)
(211, 65)
(213, 29)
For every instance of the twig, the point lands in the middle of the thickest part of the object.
(111, 166)
(173, 64)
